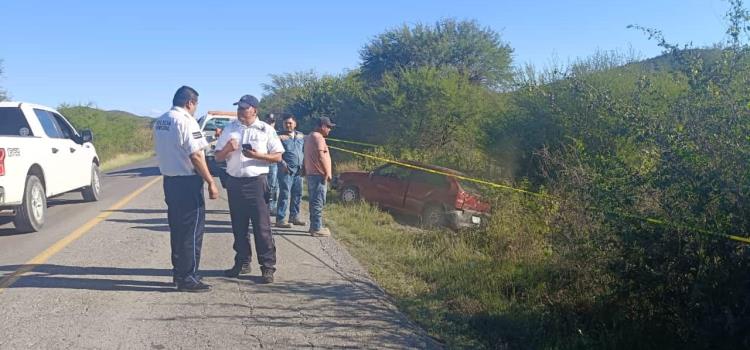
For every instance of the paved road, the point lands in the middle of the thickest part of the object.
(111, 289)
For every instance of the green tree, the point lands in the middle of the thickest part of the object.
(474, 52)
(304, 94)
(438, 112)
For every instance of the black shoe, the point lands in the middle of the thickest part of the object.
(175, 283)
(196, 287)
(267, 276)
(238, 269)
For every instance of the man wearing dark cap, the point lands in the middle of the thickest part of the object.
(179, 146)
(317, 162)
(249, 146)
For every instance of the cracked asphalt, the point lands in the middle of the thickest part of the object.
(111, 289)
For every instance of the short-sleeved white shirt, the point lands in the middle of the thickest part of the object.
(177, 136)
(260, 135)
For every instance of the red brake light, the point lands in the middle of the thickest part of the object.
(2, 161)
(460, 199)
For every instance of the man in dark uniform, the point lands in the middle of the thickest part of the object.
(179, 146)
(250, 146)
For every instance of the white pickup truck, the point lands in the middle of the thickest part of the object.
(211, 125)
(42, 155)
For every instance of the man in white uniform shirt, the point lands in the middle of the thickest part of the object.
(250, 146)
(179, 146)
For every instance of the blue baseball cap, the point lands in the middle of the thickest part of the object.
(247, 101)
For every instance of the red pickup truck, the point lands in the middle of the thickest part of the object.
(437, 199)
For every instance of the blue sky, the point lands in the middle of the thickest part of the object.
(132, 55)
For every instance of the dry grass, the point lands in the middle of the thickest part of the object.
(344, 166)
(473, 289)
(125, 159)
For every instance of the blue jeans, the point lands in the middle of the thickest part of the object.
(316, 191)
(289, 186)
(273, 184)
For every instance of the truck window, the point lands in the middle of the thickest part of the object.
(49, 124)
(67, 130)
(393, 171)
(212, 124)
(13, 122)
(431, 179)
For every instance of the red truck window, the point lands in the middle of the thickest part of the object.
(431, 179)
(393, 171)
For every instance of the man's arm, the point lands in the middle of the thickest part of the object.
(324, 159)
(199, 162)
(268, 157)
(222, 154)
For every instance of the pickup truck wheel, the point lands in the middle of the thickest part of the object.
(433, 216)
(93, 192)
(349, 194)
(31, 214)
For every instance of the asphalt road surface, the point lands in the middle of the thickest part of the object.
(101, 279)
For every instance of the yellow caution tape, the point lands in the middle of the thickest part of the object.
(535, 194)
(659, 222)
(352, 142)
(412, 166)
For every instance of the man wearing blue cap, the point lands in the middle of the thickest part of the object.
(249, 146)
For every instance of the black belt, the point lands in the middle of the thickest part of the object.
(180, 176)
(247, 177)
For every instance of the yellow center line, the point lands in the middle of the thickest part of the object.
(8, 280)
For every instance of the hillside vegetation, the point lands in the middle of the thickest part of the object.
(645, 162)
(115, 132)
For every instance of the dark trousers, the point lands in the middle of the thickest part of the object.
(248, 203)
(186, 213)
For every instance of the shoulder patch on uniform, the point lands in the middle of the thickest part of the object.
(197, 134)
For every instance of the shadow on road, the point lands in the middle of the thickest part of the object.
(161, 225)
(136, 172)
(346, 314)
(53, 202)
(68, 277)
(160, 211)
(10, 230)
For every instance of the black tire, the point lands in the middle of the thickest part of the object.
(93, 192)
(32, 213)
(350, 194)
(433, 216)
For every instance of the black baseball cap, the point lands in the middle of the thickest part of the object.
(325, 121)
(247, 101)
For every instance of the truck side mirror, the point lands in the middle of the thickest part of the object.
(87, 136)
